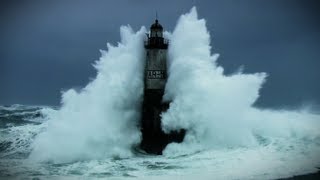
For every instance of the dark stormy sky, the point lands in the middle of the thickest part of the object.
(47, 46)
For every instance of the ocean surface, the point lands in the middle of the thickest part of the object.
(272, 158)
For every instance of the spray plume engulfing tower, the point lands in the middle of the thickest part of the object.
(154, 140)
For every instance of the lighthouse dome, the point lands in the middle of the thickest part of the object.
(156, 25)
(155, 37)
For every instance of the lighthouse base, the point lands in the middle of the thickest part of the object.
(154, 140)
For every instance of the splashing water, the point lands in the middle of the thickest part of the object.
(217, 110)
(101, 120)
(93, 132)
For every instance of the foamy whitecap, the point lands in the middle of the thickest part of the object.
(216, 109)
(100, 120)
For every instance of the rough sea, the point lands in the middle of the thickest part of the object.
(94, 133)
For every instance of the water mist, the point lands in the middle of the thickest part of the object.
(217, 110)
(100, 120)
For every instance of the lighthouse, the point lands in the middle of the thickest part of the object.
(154, 140)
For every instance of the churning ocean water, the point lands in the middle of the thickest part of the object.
(95, 131)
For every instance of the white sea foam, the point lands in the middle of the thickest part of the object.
(100, 120)
(217, 110)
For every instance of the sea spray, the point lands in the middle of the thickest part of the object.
(217, 110)
(102, 119)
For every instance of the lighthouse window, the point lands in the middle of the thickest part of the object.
(156, 33)
(153, 33)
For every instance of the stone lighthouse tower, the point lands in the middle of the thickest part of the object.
(154, 140)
